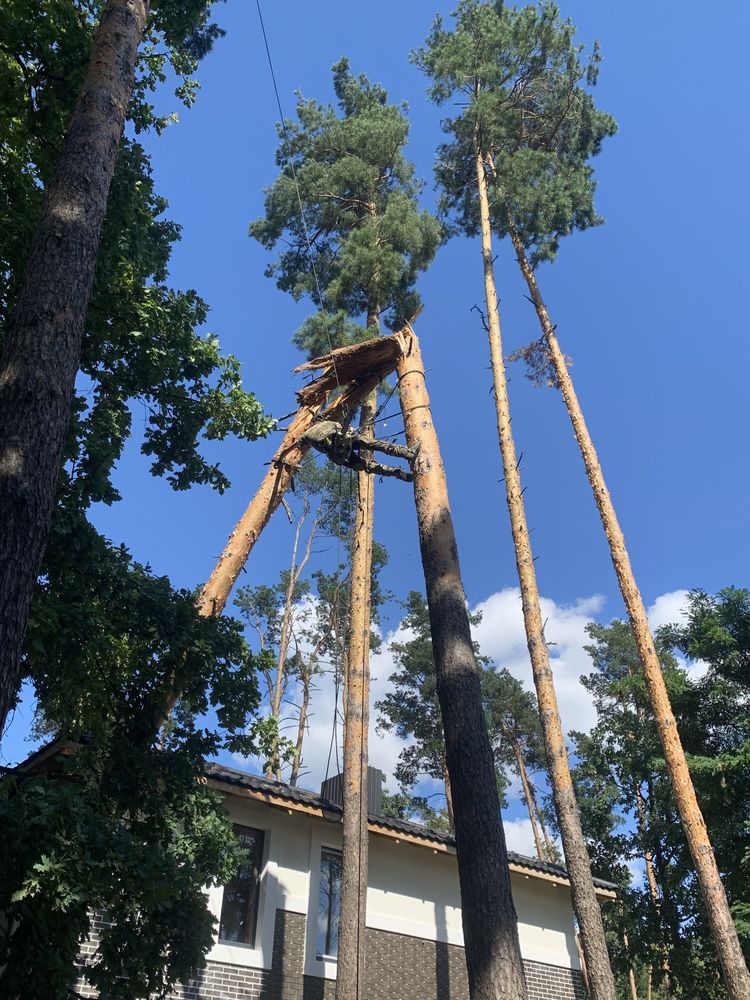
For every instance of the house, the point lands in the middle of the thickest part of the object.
(277, 920)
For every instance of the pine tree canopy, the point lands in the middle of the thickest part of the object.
(524, 87)
(368, 238)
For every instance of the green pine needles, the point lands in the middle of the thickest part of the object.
(524, 87)
(368, 238)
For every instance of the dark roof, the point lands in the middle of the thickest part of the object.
(231, 776)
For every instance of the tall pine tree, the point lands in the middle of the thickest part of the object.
(498, 64)
(344, 208)
(535, 136)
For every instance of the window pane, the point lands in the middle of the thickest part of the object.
(239, 907)
(329, 898)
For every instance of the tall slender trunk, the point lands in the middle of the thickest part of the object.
(585, 903)
(273, 765)
(726, 941)
(301, 724)
(42, 347)
(631, 972)
(551, 852)
(492, 952)
(351, 967)
(285, 637)
(525, 785)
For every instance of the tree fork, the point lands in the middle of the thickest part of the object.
(42, 348)
(585, 903)
(492, 951)
(724, 932)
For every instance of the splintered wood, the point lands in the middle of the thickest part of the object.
(348, 375)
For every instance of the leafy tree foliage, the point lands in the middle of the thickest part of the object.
(522, 83)
(411, 710)
(124, 826)
(627, 801)
(368, 239)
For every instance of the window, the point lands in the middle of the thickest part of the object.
(239, 907)
(329, 899)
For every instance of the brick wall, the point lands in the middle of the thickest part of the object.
(398, 968)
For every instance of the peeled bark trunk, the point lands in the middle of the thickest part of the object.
(585, 903)
(492, 952)
(42, 348)
(350, 966)
(728, 949)
(527, 796)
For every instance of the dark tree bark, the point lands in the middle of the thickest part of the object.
(42, 346)
(493, 956)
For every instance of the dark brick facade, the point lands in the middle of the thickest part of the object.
(398, 968)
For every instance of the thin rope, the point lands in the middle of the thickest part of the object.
(303, 219)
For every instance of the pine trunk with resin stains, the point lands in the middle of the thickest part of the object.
(491, 946)
(578, 864)
(42, 347)
(723, 930)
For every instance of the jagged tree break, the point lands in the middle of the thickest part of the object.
(500, 64)
(532, 142)
(356, 253)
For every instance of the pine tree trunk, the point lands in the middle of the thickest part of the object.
(42, 347)
(527, 797)
(585, 903)
(731, 958)
(492, 951)
(350, 966)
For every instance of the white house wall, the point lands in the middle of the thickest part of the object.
(412, 891)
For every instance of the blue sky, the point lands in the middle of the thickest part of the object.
(650, 307)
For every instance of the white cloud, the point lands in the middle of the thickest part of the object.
(668, 609)
(501, 636)
(671, 609)
(519, 836)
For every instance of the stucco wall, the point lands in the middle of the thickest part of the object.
(412, 891)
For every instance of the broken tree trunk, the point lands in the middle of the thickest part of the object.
(723, 930)
(585, 903)
(360, 369)
(357, 370)
(492, 952)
